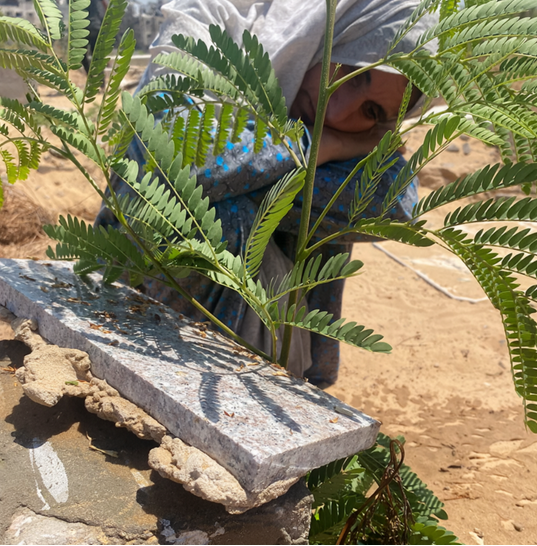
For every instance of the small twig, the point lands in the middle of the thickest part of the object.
(391, 475)
(108, 452)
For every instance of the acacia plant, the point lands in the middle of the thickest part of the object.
(485, 69)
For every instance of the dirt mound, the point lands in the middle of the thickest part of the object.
(21, 225)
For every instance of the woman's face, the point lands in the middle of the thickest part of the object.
(358, 105)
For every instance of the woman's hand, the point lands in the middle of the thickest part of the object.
(341, 146)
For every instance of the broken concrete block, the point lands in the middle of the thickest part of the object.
(49, 371)
(198, 473)
(49, 468)
(123, 413)
(258, 422)
(201, 475)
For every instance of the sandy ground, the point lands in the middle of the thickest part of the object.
(447, 385)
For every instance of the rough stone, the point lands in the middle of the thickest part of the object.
(121, 497)
(285, 520)
(124, 414)
(186, 537)
(25, 331)
(174, 460)
(250, 416)
(27, 527)
(205, 478)
(49, 369)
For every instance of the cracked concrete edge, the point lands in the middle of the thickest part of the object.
(174, 459)
(49, 370)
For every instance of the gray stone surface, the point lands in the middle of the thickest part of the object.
(255, 420)
(69, 493)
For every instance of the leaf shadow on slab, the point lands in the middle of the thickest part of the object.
(262, 397)
(208, 396)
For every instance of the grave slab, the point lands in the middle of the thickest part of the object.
(255, 420)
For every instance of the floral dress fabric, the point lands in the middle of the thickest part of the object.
(236, 181)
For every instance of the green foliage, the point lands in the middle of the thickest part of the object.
(319, 322)
(347, 509)
(496, 279)
(436, 140)
(51, 18)
(484, 50)
(120, 67)
(78, 33)
(376, 164)
(408, 233)
(275, 206)
(488, 179)
(18, 118)
(21, 32)
(307, 274)
(243, 81)
(103, 48)
(82, 242)
(16, 59)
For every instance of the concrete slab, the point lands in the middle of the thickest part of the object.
(259, 423)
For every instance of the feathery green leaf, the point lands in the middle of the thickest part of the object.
(120, 67)
(77, 38)
(103, 47)
(22, 32)
(51, 18)
(274, 207)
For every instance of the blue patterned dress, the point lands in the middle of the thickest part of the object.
(236, 182)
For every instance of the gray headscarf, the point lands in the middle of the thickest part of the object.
(292, 31)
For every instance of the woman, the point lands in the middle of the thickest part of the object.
(358, 114)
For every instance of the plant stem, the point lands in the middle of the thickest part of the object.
(307, 193)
